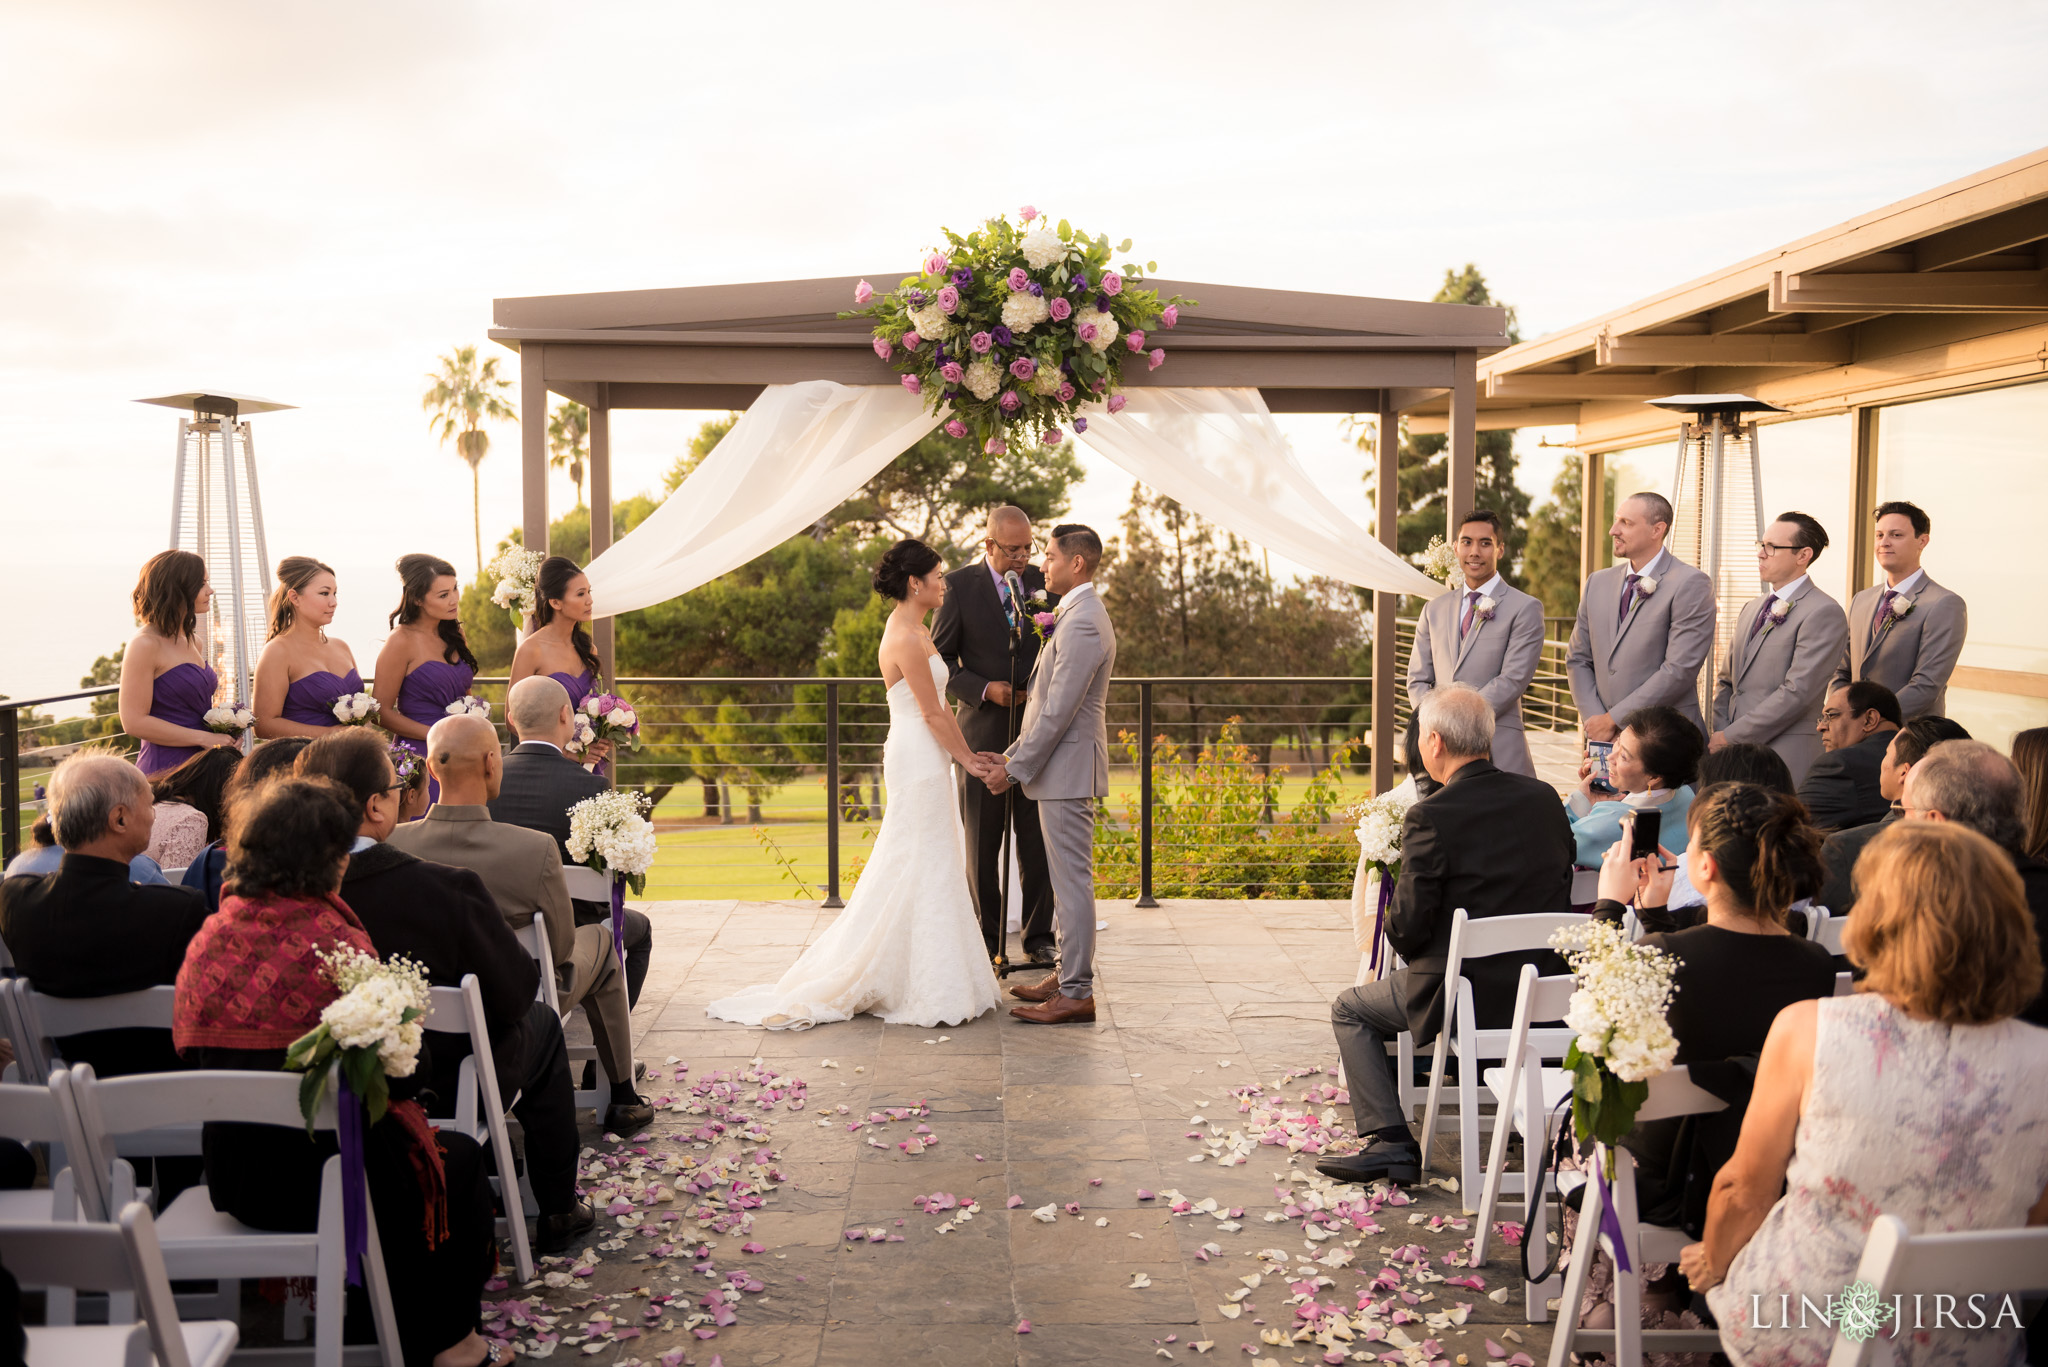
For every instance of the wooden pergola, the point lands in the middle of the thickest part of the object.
(718, 346)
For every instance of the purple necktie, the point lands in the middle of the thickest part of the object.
(1761, 614)
(1471, 606)
(1628, 598)
(1884, 605)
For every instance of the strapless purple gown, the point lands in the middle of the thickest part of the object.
(310, 701)
(579, 685)
(180, 696)
(424, 698)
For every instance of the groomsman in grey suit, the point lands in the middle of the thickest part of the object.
(1061, 757)
(1906, 632)
(1646, 625)
(1774, 680)
(1487, 634)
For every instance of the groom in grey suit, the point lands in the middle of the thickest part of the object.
(1906, 632)
(1646, 625)
(1774, 679)
(1488, 634)
(1061, 757)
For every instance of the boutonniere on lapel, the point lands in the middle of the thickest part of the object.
(1038, 609)
(1483, 609)
(1893, 611)
(1645, 585)
(1776, 613)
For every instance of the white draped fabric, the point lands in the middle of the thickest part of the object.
(803, 449)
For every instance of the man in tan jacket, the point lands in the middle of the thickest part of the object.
(522, 870)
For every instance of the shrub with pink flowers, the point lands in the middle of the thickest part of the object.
(1010, 329)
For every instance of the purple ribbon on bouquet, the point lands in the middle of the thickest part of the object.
(619, 917)
(1379, 923)
(1610, 1219)
(355, 1214)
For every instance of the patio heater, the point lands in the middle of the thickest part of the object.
(1717, 501)
(217, 514)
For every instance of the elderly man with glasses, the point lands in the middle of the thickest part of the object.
(1774, 679)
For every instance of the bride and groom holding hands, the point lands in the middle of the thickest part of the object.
(912, 946)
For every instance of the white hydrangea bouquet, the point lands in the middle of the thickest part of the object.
(515, 569)
(1618, 1012)
(373, 1029)
(355, 709)
(609, 833)
(469, 705)
(1439, 561)
(228, 721)
(1379, 867)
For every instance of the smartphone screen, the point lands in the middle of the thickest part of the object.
(1598, 751)
(1643, 831)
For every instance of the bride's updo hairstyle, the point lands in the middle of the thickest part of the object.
(167, 590)
(901, 563)
(294, 573)
(416, 576)
(556, 574)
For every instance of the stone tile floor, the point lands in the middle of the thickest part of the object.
(1193, 999)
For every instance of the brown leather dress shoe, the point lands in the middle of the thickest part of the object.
(1058, 1011)
(1044, 990)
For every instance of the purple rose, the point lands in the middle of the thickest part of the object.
(1061, 310)
(1117, 402)
(1045, 619)
(951, 372)
(964, 276)
(1102, 303)
(936, 264)
(863, 292)
(956, 429)
(1080, 424)
(883, 349)
(1135, 340)
(912, 341)
(1157, 360)
(916, 298)
(913, 384)
(1066, 393)
(1098, 386)
(1009, 403)
(1112, 283)
(981, 342)
(1051, 438)
(1171, 316)
(1023, 367)
(1002, 335)
(1087, 333)
(1019, 281)
(1038, 289)
(949, 299)
(995, 446)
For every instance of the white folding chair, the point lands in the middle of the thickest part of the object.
(479, 1110)
(585, 885)
(46, 1019)
(176, 876)
(1987, 1262)
(1475, 938)
(1845, 984)
(1828, 934)
(1525, 1093)
(1671, 1094)
(126, 1262)
(535, 937)
(201, 1243)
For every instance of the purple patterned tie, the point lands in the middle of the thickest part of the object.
(1884, 606)
(1628, 597)
(1471, 606)
(1761, 614)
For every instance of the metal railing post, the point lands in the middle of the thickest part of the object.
(832, 794)
(10, 781)
(1145, 898)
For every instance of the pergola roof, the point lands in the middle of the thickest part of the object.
(1820, 324)
(715, 346)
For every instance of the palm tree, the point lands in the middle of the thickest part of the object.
(461, 397)
(568, 429)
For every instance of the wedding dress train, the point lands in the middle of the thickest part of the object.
(908, 946)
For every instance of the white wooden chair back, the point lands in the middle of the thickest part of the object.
(479, 1109)
(1522, 1099)
(1988, 1262)
(534, 936)
(1845, 984)
(587, 884)
(1828, 933)
(44, 1115)
(46, 1019)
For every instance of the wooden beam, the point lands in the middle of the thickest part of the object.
(1387, 528)
(843, 339)
(1985, 237)
(1464, 434)
(533, 447)
(1862, 496)
(1405, 399)
(1288, 400)
(604, 630)
(1592, 514)
(1498, 419)
(1725, 349)
(700, 396)
(1551, 386)
(2018, 683)
(1912, 292)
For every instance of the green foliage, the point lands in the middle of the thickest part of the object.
(1603, 1106)
(568, 441)
(1214, 832)
(1550, 568)
(940, 491)
(784, 862)
(461, 397)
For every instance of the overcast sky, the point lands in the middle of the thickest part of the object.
(312, 202)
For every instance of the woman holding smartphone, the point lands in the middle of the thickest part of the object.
(1650, 769)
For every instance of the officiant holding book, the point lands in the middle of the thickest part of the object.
(989, 640)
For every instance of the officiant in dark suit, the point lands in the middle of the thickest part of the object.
(987, 640)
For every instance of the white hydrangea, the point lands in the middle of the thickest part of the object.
(1048, 379)
(610, 826)
(1024, 311)
(1041, 247)
(370, 1012)
(1379, 829)
(515, 569)
(1618, 1008)
(984, 377)
(932, 323)
(1105, 327)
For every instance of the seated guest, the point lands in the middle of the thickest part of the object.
(1919, 1097)
(268, 760)
(87, 930)
(1652, 765)
(541, 783)
(445, 920)
(1969, 783)
(189, 806)
(44, 855)
(1746, 763)
(2030, 757)
(1490, 842)
(252, 984)
(1905, 749)
(1856, 724)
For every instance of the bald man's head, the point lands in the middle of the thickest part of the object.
(538, 707)
(1008, 540)
(462, 755)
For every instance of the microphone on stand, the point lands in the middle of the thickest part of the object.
(1016, 587)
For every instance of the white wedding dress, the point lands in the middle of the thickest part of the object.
(908, 946)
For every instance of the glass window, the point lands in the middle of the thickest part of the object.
(1805, 468)
(1973, 461)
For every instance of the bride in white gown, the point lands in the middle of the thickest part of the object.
(908, 946)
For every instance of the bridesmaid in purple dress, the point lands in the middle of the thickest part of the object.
(166, 684)
(427, 663)
(559, 643)
(302, 669)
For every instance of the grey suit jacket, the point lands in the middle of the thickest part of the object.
(1773, 685)
(521, 868)
(1063, 749)
(1913, 655)
(1498, 657)
(1653, 658)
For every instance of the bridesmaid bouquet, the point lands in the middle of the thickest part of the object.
(585, 737)
(1379, 821)
(1618, 1012)
(469, 705)
(515, 570)
(608, 833)
(612, 718)
(373, 1029)
(228, 721)
(355, 709)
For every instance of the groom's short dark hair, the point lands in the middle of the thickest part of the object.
(1073, 538)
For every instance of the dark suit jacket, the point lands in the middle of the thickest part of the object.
(541, 784)
(86, 931)
(1495, 844)
(972, 635)
(1840, 854)
(446, 919)
(1840, 790)
(2034, 874)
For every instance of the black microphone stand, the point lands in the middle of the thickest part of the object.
(1004, 968)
